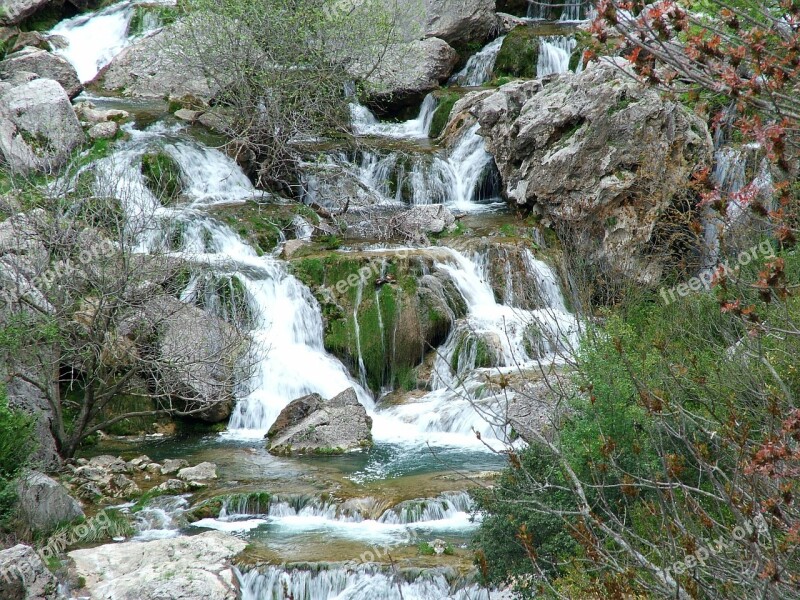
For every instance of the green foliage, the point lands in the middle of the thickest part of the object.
(442, 113)
(163, 176)
(146, 18)
(425, 549)
(17, 443)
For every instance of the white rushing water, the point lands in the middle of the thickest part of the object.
(365, 123)
(480, 65)
(514, 339)
(554, 54)
(94, 39)
(287, 323)
(456, 178)
(363, 582)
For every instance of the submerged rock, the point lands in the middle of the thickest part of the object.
(603, 160)
(184, 568)
(310, 425)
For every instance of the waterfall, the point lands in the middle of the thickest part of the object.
(94, 39)
(365, 123)
(565, 11)
(161, 518)
(462, 179)
(554, 54)
(287, 328)
(479, 67)
(493, 338)
(360, 583)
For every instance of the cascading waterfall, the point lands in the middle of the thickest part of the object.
(509, 338)
(480, 65)
(554, 54)
(565, 11)
(365, 123)
(287, 325)
(359, 583)
(94, 39)
(463, 179)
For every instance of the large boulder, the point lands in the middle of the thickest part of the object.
(601, 158)
(309, 425)
(44, 64)
(201, 350)
(410, 70)
(16, 11)
(38, 127)
(44, 504)
(459, 22)
(183, 568)
(23, 575)
(152, 68)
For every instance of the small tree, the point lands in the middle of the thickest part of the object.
(282, 71)
(90, 320)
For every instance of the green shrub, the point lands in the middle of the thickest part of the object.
(17, 443)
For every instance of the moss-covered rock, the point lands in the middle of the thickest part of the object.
(442, 113)
(386, 309)
(162, 176)
(519, 53)
(264, 224)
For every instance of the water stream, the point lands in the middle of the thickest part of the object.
(396, 492)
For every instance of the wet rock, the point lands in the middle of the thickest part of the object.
(154, 468)
(124, 487)
(23, 576)
(202, 472)
(175, 486)
(45, 65)
(88, 112)
(173, 465)
(16, 11)
(603, 160)
(112, 464)
(38, 127)
(103, 131)
(181, 568)
(44, 503)
(310, 425)
(140, 461)
(433, 218)
(184, 114)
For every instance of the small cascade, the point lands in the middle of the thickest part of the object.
(161, 518)
(360, 583)
(565, 11)
(493, 338)
(554, 54)
(480, 65)
(450, 505)
(365, 123)
(94, 39)
(465, 179)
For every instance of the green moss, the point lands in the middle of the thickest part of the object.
(146, 18)
(442, 113)
(163, 176)
(519, 53)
